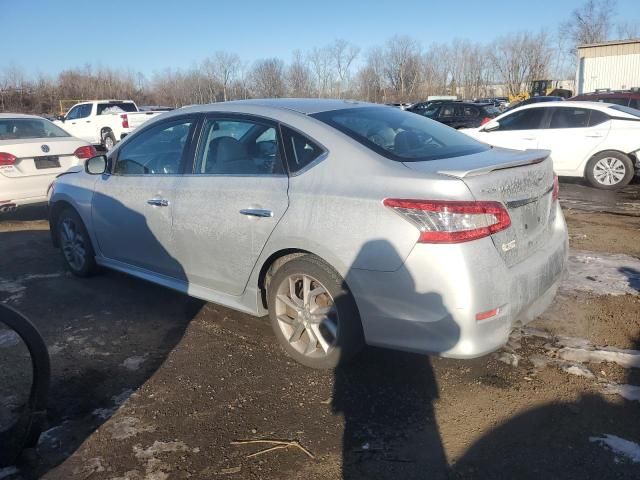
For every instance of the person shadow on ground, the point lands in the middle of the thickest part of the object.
(386, 397)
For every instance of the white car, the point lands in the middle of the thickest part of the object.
(33, 151)
(104, 122)
(598, 141)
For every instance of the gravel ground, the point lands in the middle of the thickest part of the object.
(150, 384)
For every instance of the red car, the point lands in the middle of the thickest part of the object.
(626, 98)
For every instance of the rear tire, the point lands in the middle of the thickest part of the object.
(320, 328)
(609, 170)
(75, 244)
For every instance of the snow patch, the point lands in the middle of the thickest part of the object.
(133, 363)
(602, 273)
(125, 427)
(8, 338)
(624, 358)
(7, 471)
(630, 392)
(619, 446)
(16, 288)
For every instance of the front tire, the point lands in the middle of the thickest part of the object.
(609, 170)
(313, 314)
(77, 251)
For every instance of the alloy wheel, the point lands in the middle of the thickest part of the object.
(609, 171)
(73, 246)
(307, 315)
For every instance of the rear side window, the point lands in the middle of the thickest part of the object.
(630, 111)
(471, 112)
(569, 118)
(300, 150)
(116, 107)
(528, 119)
(399, 135)
(597, 117)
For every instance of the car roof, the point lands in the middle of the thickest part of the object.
(568, 104)
(306, 106)
(20, 115)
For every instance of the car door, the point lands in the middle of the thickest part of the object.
(79, 124)
(447, 114)
(227, 207)
(573, 135)
(518, 130)
(132, 206)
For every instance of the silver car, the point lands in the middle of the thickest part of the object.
(347, 223)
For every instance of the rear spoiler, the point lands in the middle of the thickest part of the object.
(527, 157)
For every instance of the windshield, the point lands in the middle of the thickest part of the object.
(628, 110)
(21, 128)
(116, 107)
(400, 135)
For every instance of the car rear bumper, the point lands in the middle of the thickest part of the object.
(430, 304)
(21, 191)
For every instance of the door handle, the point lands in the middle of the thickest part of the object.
(595, 135)
(158, 202)
(88, 121)
(527, 138)
(256, 212)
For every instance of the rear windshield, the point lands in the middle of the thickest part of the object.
(399, 135)
(629, 110)
(21, 128)
(116, 107)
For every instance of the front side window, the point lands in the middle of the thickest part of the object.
(238, 147)
(19, 128)
(528, 119)
(156, 151)
(569, 118)
(400, 135)
(79, 111)
(471, 112)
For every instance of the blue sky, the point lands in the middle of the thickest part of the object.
(147, 36)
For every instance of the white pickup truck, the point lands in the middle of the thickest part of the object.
(104, 122)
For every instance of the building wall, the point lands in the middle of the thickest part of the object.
(608, 66)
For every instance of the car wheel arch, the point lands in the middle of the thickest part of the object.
(583, 167)
(56, 209)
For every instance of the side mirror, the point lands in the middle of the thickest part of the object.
(60, 118)
(96, 165)
(491, 126)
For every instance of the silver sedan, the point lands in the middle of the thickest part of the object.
(347, 223)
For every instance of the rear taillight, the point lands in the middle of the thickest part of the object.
(125, 120)
(7, 159)
(88, 151)
(451, 221)
(556, 188)
(484, 120)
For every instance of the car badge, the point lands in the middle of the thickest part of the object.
(44, 148)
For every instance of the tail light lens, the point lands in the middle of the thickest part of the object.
(7, 159)
(484, 120)
(452, 221)
(88, 151)
(125, 120)
(555, 194)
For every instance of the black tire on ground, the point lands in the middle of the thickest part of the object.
(349, 338)
(108, 140)
(81, 265)
(590, 172)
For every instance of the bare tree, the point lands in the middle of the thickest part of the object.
(628, 30)
(520, 58)
(268, 78)
(320, 60)
(590, 23)
(222, 68)
(402, 65)
(299, 74)
(343, 54)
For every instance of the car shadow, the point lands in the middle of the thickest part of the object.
(106, 335)
(386, 397)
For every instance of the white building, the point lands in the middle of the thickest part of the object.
(614, 65)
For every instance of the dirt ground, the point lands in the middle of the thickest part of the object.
(150, 384)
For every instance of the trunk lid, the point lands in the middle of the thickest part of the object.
(521, 180)
(32, 160)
